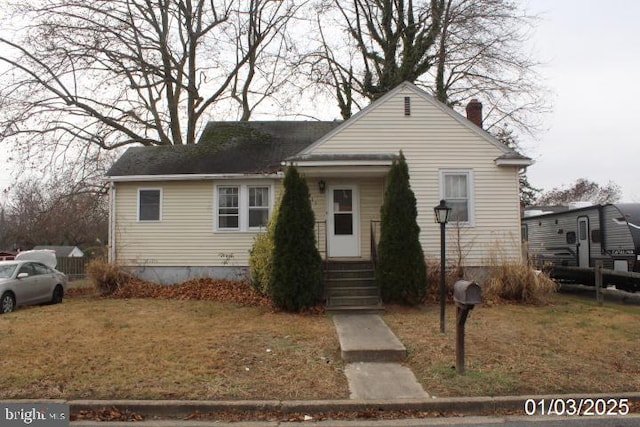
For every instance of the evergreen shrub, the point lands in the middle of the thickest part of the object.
(297, 281)
(401, 269)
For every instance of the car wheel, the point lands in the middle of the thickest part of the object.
(7, 303)
(58, 293)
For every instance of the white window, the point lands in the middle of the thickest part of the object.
(456, 187)
(228, 208)
(258, 206)
(149, 204)
(242, 207)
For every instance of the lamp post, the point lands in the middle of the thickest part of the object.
(442, 212)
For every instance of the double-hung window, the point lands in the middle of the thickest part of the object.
(242, 207)
(149, 204)
(456, 187)
(228, 208)
(258, 206)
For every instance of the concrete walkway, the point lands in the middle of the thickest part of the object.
(374, 353)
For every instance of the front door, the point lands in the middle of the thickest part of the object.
(343, 221)
(583, 242)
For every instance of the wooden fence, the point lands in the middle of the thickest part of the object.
(74, 268)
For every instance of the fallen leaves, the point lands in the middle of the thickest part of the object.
(106, 414)
(204, 289)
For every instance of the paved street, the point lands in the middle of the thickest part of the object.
(510, 421)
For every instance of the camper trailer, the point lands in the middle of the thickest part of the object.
(580, 235)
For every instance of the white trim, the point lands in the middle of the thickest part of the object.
(191, 177)
(269, 205)
(470, 189)
(514, 162)
(243, 205)
(159, 205)
(216, 198)
(112, 223)
(325, 163)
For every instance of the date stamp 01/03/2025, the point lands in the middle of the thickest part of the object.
(577, 407)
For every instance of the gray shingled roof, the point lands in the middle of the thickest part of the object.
(226, 148)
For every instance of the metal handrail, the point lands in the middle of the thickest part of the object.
(320, 238)
(374, 242)
(374, 248)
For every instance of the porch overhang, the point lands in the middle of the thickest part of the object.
(342, 165)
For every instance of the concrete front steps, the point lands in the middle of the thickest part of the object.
(351, 288)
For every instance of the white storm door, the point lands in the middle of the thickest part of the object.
(583, 242)
(343, 221)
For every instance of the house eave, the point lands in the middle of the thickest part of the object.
(336, 163)
(193, 177)
(523, 163)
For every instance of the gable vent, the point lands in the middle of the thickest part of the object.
(407, 105)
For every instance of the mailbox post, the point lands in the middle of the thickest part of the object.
(466, 296)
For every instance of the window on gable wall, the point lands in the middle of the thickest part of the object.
(456, 189)
(242, 207)
(149, 201)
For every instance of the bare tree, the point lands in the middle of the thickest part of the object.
(388, 42)
(109, 73)
(582, 190)
(62, 211)
(458, 49)
(481, 54)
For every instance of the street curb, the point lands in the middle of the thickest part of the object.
(457, 405)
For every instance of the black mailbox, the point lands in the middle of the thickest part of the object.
(467, 293)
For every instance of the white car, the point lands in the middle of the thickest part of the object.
(25, 282)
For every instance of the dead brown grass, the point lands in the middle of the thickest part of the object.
(91, 347)
(568, 346)
(516, 281)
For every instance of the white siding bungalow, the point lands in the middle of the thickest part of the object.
(179, 212)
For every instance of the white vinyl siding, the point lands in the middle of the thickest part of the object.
(149, 204)
(432, 141)
(456, 187)
(186, 235)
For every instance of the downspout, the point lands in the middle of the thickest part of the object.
(112, 221)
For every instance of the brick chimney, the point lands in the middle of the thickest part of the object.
(474, 112)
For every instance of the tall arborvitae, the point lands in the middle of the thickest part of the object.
(401, 271)
(297, 265)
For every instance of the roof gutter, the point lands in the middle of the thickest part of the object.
(329, 163)
(192, 177)
(514, 162)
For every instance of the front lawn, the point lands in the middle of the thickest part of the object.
(89, 347)
(152, 348)
(569, 346)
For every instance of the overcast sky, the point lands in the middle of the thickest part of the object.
(592, 49)
(592, 55)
